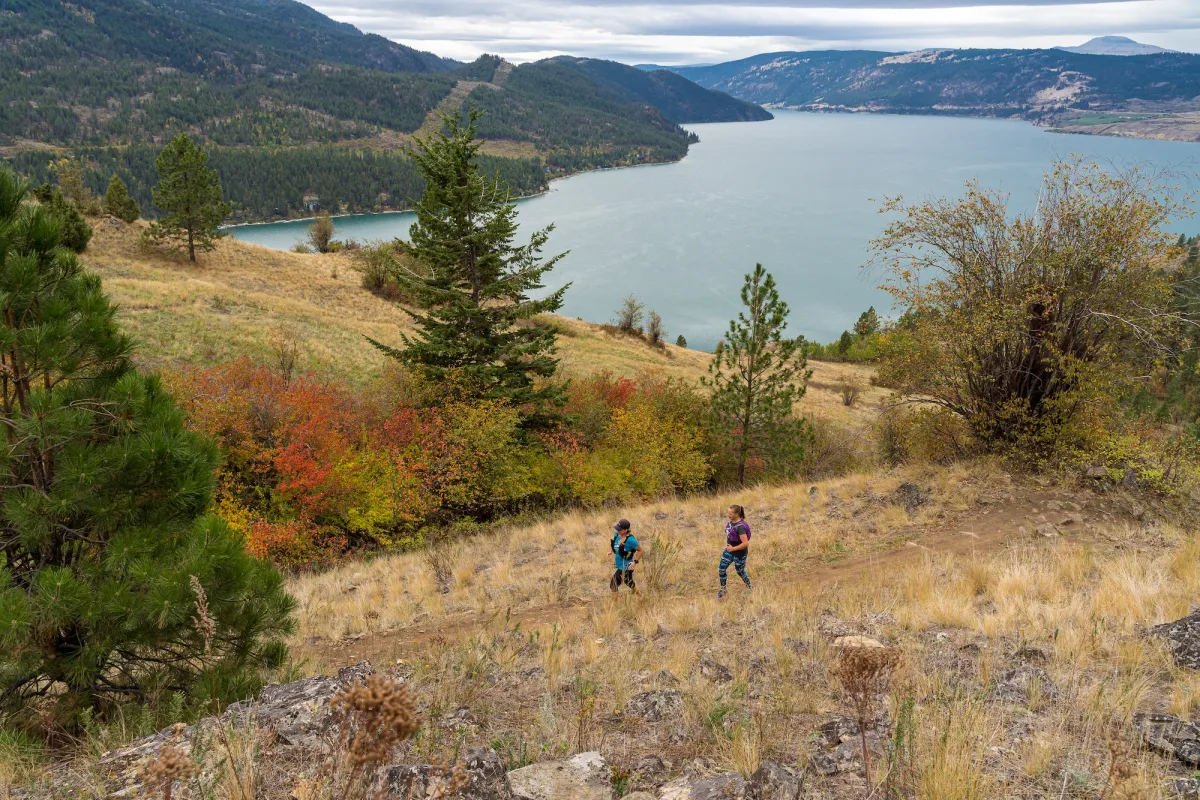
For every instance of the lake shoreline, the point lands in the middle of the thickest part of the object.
(549, 186)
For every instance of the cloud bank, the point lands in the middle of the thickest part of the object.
(709, 31)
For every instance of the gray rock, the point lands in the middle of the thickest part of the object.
(298, 712)
(1183, 637)
(910, 496)
(839, 729)
(1097, 472)
(1184, 788)
(727, 786)
(1170, 735)
(823, 764)
(486, 779)
(775, 781)
(846, 757)
(655, 705)
(585, 776)
(714, 671)
(1046, 530)
(650, 771)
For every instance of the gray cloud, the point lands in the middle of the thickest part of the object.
(694, 31)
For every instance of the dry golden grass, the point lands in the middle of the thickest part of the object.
(229, 303)
(528, 614)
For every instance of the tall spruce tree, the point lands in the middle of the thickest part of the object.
(189, 191)
(118, 202)
(757, 376)
(477, 292)
(103, 537)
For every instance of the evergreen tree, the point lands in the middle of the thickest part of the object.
(104, 549)
(757, 377)
(477, 292)
(189, 191)
(680, 341)
(868, 323)
(117, 201)
(844, 343)
(74, 231)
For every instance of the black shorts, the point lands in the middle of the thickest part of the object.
(619, 576)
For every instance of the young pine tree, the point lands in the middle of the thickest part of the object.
(189, 191)
(104, 491)
(477, 292)
(757, 377)
(117, 201)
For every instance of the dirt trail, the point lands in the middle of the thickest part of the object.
(985, 529)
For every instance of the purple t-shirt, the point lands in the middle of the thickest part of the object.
(734, 531)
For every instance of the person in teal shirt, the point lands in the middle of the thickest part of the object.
(627, 552)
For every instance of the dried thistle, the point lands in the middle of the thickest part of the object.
(1123, 780)
(172, 765)
(864, 673)
(445, 786)
(376, 716)
(205, 624)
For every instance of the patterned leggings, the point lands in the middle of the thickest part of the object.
(739, 563)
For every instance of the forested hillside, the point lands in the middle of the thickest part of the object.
(261, 82)
(1028, 83)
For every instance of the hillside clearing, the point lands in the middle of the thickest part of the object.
(240, 295)
(954, 566)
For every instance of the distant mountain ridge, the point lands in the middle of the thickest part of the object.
(1000, 83)
(1116, 46)
(286, 97)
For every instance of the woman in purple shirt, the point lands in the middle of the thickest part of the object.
(737, 547)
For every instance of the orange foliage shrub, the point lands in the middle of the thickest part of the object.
(314, 470)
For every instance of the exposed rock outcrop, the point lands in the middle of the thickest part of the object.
(1183, 637)
(585, 776)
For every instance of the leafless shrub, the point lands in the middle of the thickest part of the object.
(629, 315)
(285, 344)
(441, 562)
(850, 390)
(654, 329)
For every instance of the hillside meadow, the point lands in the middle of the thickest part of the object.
(238, 297)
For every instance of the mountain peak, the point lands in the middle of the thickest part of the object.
(1115, 46)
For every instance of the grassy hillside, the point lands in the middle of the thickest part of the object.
(238, 296)
(1022, 655)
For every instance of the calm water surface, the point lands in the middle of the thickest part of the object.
(800, 194)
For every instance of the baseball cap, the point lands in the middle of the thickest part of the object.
(623, 525)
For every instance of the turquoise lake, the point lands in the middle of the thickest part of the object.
(800, 194)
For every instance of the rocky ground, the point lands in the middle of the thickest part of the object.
(295, 728)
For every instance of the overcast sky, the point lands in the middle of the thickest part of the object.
(708, 31)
